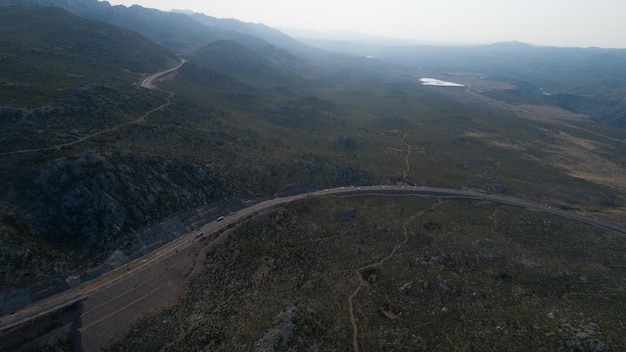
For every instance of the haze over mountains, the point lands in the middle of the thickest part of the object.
(97, 170)
(533, 64)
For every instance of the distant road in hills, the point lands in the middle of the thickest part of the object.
(117, 287)
(148, 82)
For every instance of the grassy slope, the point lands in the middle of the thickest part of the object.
(47, 52)
(453, 144)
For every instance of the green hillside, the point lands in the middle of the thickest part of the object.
(266, 66)
(238, 61)
(176, 31)
(47, 52)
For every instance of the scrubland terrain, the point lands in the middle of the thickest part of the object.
(97, 170)
(467, 275)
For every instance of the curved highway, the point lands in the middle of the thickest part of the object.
(72, 295)
(148, 82)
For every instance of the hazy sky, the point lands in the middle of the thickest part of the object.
(543, 22)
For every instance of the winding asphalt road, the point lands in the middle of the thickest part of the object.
(148, 82)
(106, 281)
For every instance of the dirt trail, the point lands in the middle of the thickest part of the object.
(141, 119)
(89, 136)
(406, 158)
(363, 283)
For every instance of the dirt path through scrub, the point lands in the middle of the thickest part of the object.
(363, 283)
(406, 158)
(141, 119)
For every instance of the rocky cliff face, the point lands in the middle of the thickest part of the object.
(83, 215)
(94, 198)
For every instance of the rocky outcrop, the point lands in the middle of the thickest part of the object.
(96, 211)
(94, 198)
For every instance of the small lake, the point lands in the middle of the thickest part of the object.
(436, 82)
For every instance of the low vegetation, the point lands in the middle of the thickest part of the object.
(473, 275)
(88, 158)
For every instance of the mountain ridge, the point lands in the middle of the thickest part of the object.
(56, 52)
(178, 31)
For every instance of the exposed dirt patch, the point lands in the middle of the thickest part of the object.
(578, 156)
(482, 85)
(497, 140)
(473, 95)
(509, 145)
(389, 312)
(581, 158)
(552, 112)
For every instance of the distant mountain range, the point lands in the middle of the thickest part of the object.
(555, 70)
(177, 31)
(48, 51)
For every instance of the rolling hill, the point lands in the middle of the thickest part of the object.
(176, 31)
(238, 61)
(583, 80)
(47, 52)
